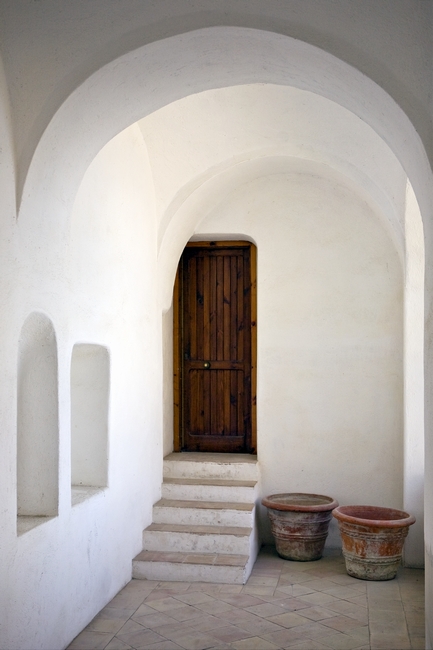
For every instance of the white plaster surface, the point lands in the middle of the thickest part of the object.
(89, 261)
(90, 390)
(330, 316)
(92, 277)
(37, 419)
(414, 378)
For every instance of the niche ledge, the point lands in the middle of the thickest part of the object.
(28, 522)
(80, 493)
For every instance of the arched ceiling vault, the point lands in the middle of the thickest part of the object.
(154, 76)
(203, 136)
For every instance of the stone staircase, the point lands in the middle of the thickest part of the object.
(204, 527)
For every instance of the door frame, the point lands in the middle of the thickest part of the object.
(177, 339)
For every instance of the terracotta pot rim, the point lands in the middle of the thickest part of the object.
(271, 502)
(353, 515)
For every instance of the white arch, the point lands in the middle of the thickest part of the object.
(187, 210)
(158, 73)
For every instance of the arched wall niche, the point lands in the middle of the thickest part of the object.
(37, 423)
(90, 386)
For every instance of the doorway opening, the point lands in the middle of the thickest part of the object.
(215, 348)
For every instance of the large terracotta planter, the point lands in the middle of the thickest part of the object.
(299, 524)
(373, 540)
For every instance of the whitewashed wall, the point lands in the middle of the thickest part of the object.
(50, 51)
(96, 282)
(330, 317)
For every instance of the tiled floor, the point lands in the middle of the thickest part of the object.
(297, 605)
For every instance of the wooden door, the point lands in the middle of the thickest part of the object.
(214, 345)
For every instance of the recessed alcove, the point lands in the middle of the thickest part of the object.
(37, 424)
(90, 382)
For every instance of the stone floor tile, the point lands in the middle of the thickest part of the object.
(89, 640)
(263, 581)
(416, 630)
(389, 642)
(359, 585)
(256, 590)
(196, 641)
(140, 586)
(322, 584)
(174, 586)
(283, 638)
(359, 600)
(104, 624)
(266, 609)
(260, 627)
(318, 598)
(250, 622)
(302, 590)
(317, 613)
(206, 587)
(173, 631)
(288, 619)
(191, 598)
(118, 613)
(159, 594)
(143, 610)
(230, 633)
(230, 589)
(254, 643)
(271, 570)
(165, 604)
(315, 630)
(290, 604)
(130, 600)
(308, 644)
(186, 613)
(117, 644)
(241, 600)
(344, 579)
(342, 591)
(415, 616)
(139, 638)
(292, 578)
(214, 606)
(205, 623)
(342, 623)
(324, 607)
(163, 645)
(152, 621)
(343, 642)
(349, 609)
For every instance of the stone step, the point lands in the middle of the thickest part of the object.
(208, 489)
(203, 513)
(203, 527)
(220, 466)
(191, 567)
(198, 539)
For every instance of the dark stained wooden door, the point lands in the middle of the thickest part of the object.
(215, 348)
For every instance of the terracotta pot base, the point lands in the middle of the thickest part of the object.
(372, 569)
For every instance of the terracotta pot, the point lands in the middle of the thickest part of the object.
(373, 540)
(299, 524)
